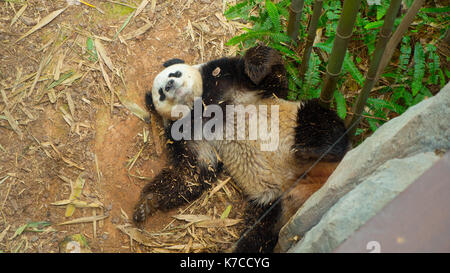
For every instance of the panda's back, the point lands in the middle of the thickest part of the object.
(264, 174)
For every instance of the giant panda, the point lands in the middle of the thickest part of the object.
(277, 179)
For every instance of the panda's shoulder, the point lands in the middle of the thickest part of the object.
(225, 65)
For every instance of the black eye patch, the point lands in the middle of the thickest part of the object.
(162, 96)
(177, 74)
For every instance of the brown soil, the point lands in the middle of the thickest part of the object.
(37, 169)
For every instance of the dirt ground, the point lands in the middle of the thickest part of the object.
(71, 94)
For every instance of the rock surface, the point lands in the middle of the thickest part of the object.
(363, 202)
(423, 128)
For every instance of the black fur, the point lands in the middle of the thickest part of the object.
(172, 62)
(182, 181)
(262, 238)
(251, 72)
(162, 96)
(265, 68)
(149, 101)
(177, 74)
(318, 129)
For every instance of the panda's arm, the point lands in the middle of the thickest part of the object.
(264, 66)
(186, 177)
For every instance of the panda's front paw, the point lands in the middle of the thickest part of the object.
(143, 208)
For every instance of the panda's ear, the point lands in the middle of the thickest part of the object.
(259, 61)
(172, 62)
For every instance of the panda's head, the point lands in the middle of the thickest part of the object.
(177, 84)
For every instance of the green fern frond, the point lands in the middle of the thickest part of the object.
(276, 37)
(341, 107)
(433, 63)
(312, 77)
(419, 68)
(274, 15)
(240, 10)
(405, 55)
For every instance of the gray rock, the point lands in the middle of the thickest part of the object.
(363, 202)
(422, 128)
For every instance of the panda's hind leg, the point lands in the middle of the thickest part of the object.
(261, 235)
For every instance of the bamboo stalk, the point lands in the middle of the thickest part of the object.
(398, 35)
(295, 15)
(343, 34)
(384, 35)
(317, 10)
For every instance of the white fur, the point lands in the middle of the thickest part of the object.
(184, 90)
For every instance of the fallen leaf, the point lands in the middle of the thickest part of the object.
(47, 19)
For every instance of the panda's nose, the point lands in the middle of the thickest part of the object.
(169, 85)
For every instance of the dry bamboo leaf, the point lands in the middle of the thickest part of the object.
(124, 214)
(192, 218)
(45, 60)
(13, 123)
(194, 246)
(5, 98)
(51, 95)
(106, 39)
(3, 234)
(138, 31)
(218, 223)
(218, 187)
(134, 108)
(72, 164)
(58, 67)
(78, 203)
(47, 19)
(191, 30)
(66, 115)
(140, 8)
(84, 220)
(70, 103)
(65, 179)
(99, 175)
(105, 76)
(72, 78)
(136, 235)
(188, 247)
(18, 14)
(103, 55)
(27, 113)
(75, 194)
(3, 149)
